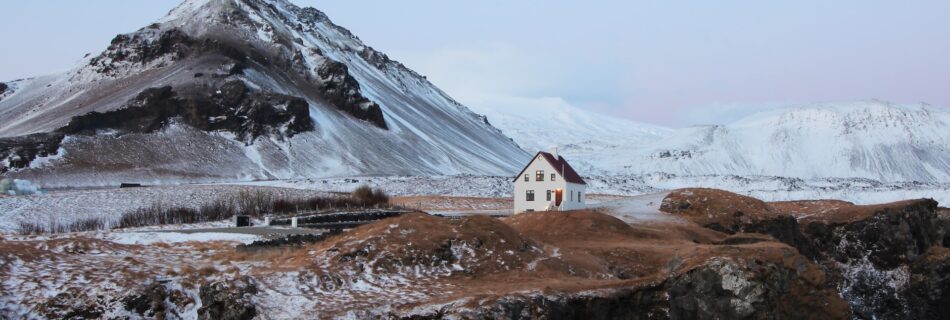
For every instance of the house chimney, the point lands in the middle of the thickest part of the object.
(554, 153)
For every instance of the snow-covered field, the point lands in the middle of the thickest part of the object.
(860, 191)
(60, 206)
(109, 204)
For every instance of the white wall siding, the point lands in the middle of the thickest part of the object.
(541, 188)
(575, 197)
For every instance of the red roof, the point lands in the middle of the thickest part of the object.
(560, 164)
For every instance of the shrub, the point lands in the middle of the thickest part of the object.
(252, 203)
(85, 224)
(367, 196)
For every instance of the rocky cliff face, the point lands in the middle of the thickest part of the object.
(720, 289)
(871, 250)
(882, 258)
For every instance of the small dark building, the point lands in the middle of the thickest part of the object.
(242, 221)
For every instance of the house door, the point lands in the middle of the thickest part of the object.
(558, 196)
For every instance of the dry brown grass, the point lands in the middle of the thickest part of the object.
(713, 206)
(207, 271)
(448, 203)
(838, 213)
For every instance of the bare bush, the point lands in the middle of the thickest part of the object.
(85, 224)
(158, 214)
(30, 228)
(252, 203)
(367, 196)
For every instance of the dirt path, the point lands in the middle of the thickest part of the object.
(638, 209)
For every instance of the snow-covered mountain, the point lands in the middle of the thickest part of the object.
(560, 124)
(868, 139)
(240, 89)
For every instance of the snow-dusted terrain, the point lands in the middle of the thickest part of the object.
(869, 139)
(272, 47)
(421, 142)
(65, 206)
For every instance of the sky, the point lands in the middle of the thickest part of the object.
(672, 63)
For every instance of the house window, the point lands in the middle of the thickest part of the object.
(549, 195)
(526, 177)
(572, 195)
(529, 195)
(578, 196)
(539, 175)
(553, 177)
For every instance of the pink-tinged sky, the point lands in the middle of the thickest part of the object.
(673, 63)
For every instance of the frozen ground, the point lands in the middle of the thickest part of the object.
(110, 204)
(58, 206)
(152, 237)
(860, 191)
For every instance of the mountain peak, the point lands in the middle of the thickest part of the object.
(293, 94)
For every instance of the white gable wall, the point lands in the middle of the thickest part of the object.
(541, 188)
(575, 197)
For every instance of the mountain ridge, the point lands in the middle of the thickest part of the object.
(370, 114)
(868, 139)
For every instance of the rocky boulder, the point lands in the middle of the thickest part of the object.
(156, 301)
(228, 300)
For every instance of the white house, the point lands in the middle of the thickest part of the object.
(549, 183)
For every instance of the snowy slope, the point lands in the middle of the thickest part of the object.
(277, 48)
(868, 139)
(563, 125)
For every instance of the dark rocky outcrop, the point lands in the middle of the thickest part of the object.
(786, 229)
(881, 258)
(155, 301)
(943, 220)
(868, 256)
(151, 44)
(343, 91)
(19, 152)
(719, 289)
(3, 87)
(928, 292)
(233, 108)
(73, 303)
(733, 213)
(890, 237)
(228, 300)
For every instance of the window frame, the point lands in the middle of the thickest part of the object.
(554, 177)
(549, 195)
(539, 175)
(529, 195)
(526, 178)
